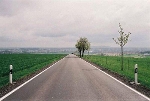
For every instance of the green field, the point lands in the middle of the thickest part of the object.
(113, 63)
(24, 64)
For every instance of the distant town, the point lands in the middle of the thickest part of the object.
(109, 51)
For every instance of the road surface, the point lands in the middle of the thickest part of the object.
(72, 79)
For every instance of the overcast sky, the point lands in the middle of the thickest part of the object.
(60, 23)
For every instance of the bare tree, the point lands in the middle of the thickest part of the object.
(121, 41)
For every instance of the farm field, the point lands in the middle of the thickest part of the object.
(113, 63)
(24, 64)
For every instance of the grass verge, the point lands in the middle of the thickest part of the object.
(24, 65)
(113, 63)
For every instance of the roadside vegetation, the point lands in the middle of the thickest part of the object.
(113, 64)
(24, 64)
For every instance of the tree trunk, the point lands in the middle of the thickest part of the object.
(122, 58)
(83, 52)
(80, 53)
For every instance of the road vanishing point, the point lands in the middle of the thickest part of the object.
(73, 79)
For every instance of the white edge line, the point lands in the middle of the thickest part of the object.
(120, 82)
(2, 98)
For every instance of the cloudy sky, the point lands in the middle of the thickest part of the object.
(60, 23)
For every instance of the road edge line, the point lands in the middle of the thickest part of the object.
(120, 82)
(5, 96)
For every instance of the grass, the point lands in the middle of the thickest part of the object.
(24, 64)
(113, 63)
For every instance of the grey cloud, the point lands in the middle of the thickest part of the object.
(3, 39)
(7, 39)
(68, 20)
(5, 8)
(13, 7)
(48, 34)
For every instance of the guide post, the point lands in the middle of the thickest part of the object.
(10, 74)
(136, 73)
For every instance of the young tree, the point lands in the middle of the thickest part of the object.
(82, 45)
(121, 41)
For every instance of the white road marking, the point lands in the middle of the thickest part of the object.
(86, 62)
(2, 98)
(120, 82)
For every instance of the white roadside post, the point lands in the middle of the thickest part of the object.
(10, 74)
(136, 73)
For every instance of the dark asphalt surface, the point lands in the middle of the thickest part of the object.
(72, 79)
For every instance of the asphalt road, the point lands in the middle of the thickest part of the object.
(72, 79)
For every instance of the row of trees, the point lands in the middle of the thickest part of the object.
(83, 44)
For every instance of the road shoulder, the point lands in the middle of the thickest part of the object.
(138, 88)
